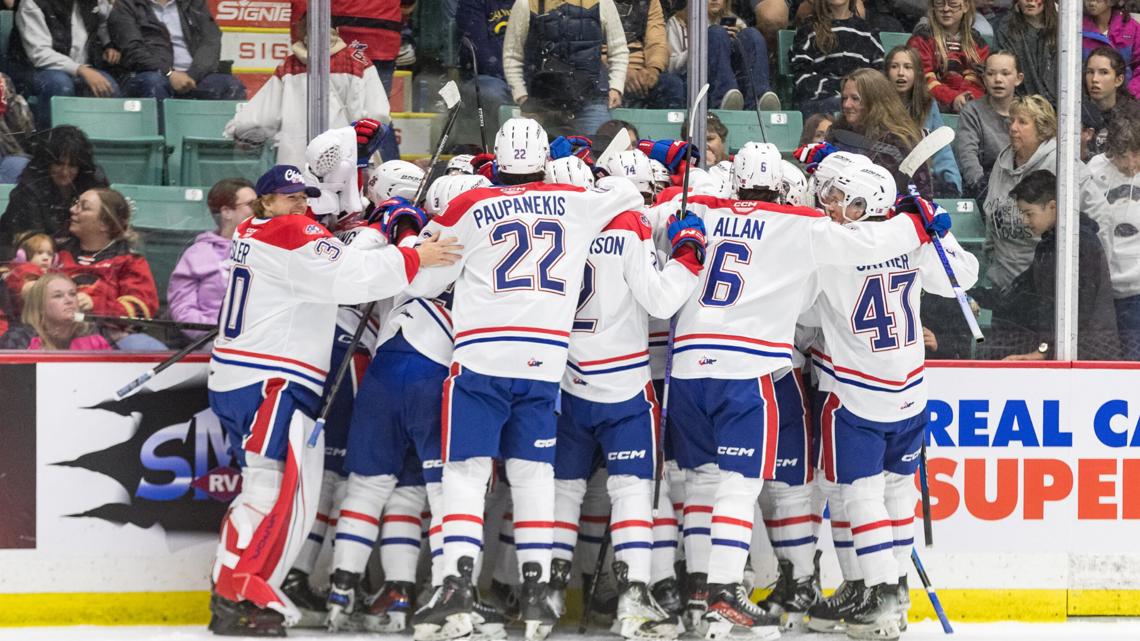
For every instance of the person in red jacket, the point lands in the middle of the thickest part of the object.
(952, 53)
(113, 278)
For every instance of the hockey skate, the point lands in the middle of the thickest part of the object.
(244, 619)
(666, 594)
(448, 614)
(505, 598)
(489, 623)
(341, 600)
(312, 606)
(731, 615)
(559, 581)
(876, 614)
(389, 608)
(696, 604)
(536, 608)
(830, 614)
(904, 603)
(639, 617)
(791, 598)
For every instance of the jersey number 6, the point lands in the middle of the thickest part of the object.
(523, 236)
(724, 286)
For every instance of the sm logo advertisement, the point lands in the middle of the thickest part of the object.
(1034, 459)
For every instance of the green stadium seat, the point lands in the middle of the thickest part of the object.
(124, 133)
(5, 193)
(506, 112)
(6, 20)
(892, 39)
(654, 123)
(784, 80)
(781, 128)
(951, 121)
(967, 223)
(205, 161)
(167, 220)
(202, 119)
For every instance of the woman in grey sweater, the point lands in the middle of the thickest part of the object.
(983, 126)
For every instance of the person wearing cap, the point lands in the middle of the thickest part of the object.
(287, 275)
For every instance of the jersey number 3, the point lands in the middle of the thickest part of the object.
(873, 310)
(524, 237)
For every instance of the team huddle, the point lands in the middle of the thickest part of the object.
(565, 329)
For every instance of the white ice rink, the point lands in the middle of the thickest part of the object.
(1088, 629)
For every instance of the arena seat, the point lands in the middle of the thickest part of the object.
(167, 219)
(951, 120)
(892, 39)
(5, 193)
(784, 80)
(123, 132)
(198, 154)
(7, 18)
(781, 128)
(654, 123)
(968, 226)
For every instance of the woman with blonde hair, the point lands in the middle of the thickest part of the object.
(49, 319)
(872, 108)
(952, 53)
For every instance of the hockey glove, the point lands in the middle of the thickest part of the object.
(398, 217)
(929, 218)
(687, 235)
(671, 153)
(564, 146)
(813, 154)
(369, 134)
(485, 166)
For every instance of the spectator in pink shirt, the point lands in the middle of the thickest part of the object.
(49, 319)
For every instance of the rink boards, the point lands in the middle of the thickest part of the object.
(111, 507)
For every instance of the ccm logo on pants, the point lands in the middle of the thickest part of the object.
(625, 455)
(736, 451)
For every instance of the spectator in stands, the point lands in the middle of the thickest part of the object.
(484, 23)
(716, 141)
(553, 62)
(1030, 301)
(1105, 72)
(53, 52)
(609, 129)
(1030, 34)
(952, 53)
(171, 48)
(815, 128)
(749, 56)
(1106, 24)
(49, 319)
(16, 127)
(983, 127)
(902, 68)
(34, 258)
(100, 256)
(279, 110)
(1117, 173)
(836, 42)
(62, 167)
(198, 281)
(1032, 145)
(724, 90)
(647, 83)
(771, 16)
(872, 109)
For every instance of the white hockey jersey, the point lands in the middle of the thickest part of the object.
(741, 321)
(621, 288)
(287, 276)
(874, 355)
(517, 284)
(426, 324)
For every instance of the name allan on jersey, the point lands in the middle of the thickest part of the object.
(739, 228)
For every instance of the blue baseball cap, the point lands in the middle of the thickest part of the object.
(284, 179)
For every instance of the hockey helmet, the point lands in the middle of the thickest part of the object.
(830, 167)
(521, 147)
(570, 170)
(661, 177)
(394, 178)
(460, 164)
(446, 188)
(793, 184)
(756, 166)
(634, 165)
(863, 191)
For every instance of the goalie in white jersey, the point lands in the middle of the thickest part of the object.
(874, 417)
(516, 288)
(266, 374)
(730, 338)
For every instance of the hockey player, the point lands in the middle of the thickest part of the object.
(267, 370)
(730, 339)
(516, 288)
(608, 400)
(875, 415)
(569, 170)
(634, 165)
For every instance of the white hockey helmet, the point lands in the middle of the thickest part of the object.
(446, 188)
(793, 184)
(832, 166)
(570, 170)
(521, 146)
(634, 165)
(331, 159)
(703, 183)
(863, 191)
(756, 166)
(394, 178)
(661, 176)
(460, 164)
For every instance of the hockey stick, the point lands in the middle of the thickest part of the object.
(588, 595)
(922, 152)
(450, 95)
(673, 321)
(80, 317)
(177, 356)
(927, 526)
(466, 42)
(934, 602)
(619, 144)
